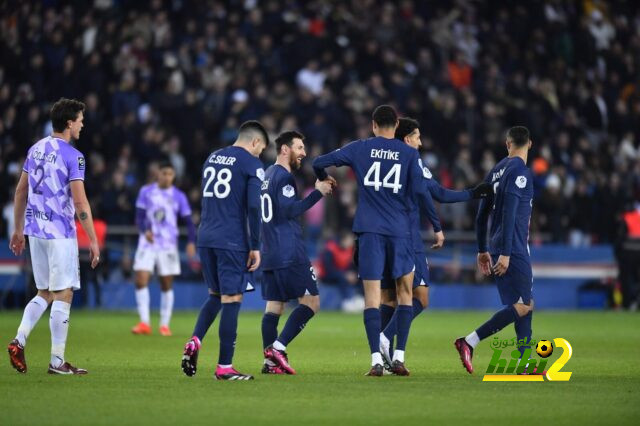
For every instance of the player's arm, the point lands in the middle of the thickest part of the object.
(17, 242)
(253, 207)
(509, 211)
(83, 211)
(292, 207)
(339, 157)
(446, 196)
(482, 217)
(185, 215)
(422, 195)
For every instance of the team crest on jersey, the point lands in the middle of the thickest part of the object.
(80, 163)
(288, 191)
(260, 173)
(521, 181)
(159, 215)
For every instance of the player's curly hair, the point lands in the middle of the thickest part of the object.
(286, 138)
(406, 126)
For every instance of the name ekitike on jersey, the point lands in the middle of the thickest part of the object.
(385, 154)
(222, 159)
(39, 156)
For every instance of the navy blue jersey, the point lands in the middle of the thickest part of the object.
(439, 194)
(389, 176)
(231, 179)
(282, 243)
(513, 201)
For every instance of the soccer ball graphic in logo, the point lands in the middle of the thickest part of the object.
(544, 348)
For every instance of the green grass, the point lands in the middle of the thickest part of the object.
(137, 380)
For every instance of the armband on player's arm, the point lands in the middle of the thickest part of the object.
(509, 210)
(481, 224)
(253, 207)
(141, 220)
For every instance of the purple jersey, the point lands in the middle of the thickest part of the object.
(162, 207)
(51, 164)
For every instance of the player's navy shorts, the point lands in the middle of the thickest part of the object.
(377, 251)
(281, 285)
(420, 277)
(515, 286)
(225, 271)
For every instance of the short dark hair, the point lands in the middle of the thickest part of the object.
(406, 126)
(385, 116)
(63, 111)
(253, 126)
(519, 135)
(286, 138)
(165, 164)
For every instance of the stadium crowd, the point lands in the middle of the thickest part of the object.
(174, 79)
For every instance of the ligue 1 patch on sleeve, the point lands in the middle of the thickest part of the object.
(521, 181)
(425, 170)
(80, 163)
(288, 191)
(260, 173)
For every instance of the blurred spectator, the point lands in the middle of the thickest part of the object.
(177, 78)
(88, 275)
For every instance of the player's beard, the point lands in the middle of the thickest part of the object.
(295, 164)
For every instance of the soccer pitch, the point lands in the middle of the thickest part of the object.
(138, 380)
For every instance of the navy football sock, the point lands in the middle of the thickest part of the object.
(386, 315)
(417, 307)
(372, 327)
(208, 313)
(269, 328)
(498, 321)
(405, 315)
(227, 332)
(523, 330)
(295, 323)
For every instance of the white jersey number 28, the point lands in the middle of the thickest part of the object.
(222, 187)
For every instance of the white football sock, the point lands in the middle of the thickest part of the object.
(142, 300)
(376, 358)
(398, 355)
(472, 339)
(59, 324)
(166, 307)
(279, 346)
(32, 313)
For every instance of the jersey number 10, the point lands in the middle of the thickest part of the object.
(394, 174)
(221, 187)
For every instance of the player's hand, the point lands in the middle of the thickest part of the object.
(484, 263)
(149, 235)
(482, 190)
(331, 180)
(501, 266)
(253, 262)
(324, 186)
(191, 250)
(94, 254)
(17, 243)
(439, 241)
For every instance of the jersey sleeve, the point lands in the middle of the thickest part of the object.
(482, 217)
(420, 191)
(444, 195)
(183, 205)
(288, 201)
(141, 200)
(76, 166)
(517, 181)
(255, 176)
(340, 157)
